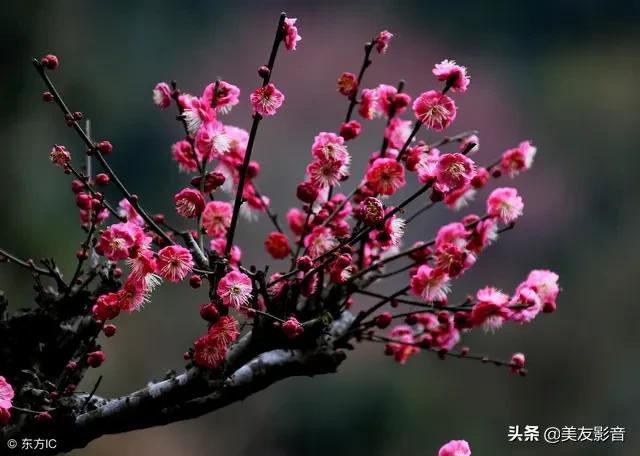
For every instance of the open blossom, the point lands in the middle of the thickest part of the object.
(212, 140)
(398, 132)
(434, 110)
(235, 289)
(225, 330)
(216, 218)
(347, 84)
(162, 95)
(491, 310)
(265, 100)
(330, 146)
(277, 245)
(209, 352)
(132, 296)
(388, 97)
(385, 176)
(369, 104)
(143, 268)
(519, 159)
(291, 36)
(226, 96)
(184, 155)
(95, 218)
(453, 259)
(326, 173)
(468, 140)
(174, 263)
(454, 74)
(454, 233)
(545, 284)
(390, 234)
(219, 246)
(430, 284)
(382, 41)
(196, 113)
(6, 394)
(455, 448)
(371, 211)
(129, 212)
(319, 241)
(117, 240)
(59, 156)
(525, 297)
(460, 197)
(455, 170)
(402, 347)
(189, 203)
(505, 204)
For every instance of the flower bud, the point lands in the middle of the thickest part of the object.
(105, 147)
(343, 261)
(292, 328)
(209, 312)
(109, 330)
(195, 281)
(304, 263)
(307, 192)
(76, 186)
(95, 359)
(253, 169)
(264, 71)
(83, 201)
(102, 179)
(350, 130)
(347, 84)
(383, 320)
(50, 62)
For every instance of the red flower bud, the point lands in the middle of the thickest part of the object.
(76, 186)
(253, 169)
(209, 312)
(83, 201)
(105, 147)
(350, 130)
(264, 71)
(50, 61)
(95, 359)
(307, 192)
(195, 281)
(292, 328)
(102, 180)
(304, 263)
(109, 330)
(383, 320)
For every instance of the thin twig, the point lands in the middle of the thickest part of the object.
(94, 150)
(252, 137)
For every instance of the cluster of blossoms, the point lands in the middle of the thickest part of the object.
(341, 243)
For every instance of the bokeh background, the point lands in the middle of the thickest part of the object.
(561, 73)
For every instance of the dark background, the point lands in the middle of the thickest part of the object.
(561, 73)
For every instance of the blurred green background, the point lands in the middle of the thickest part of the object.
(563, 74)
